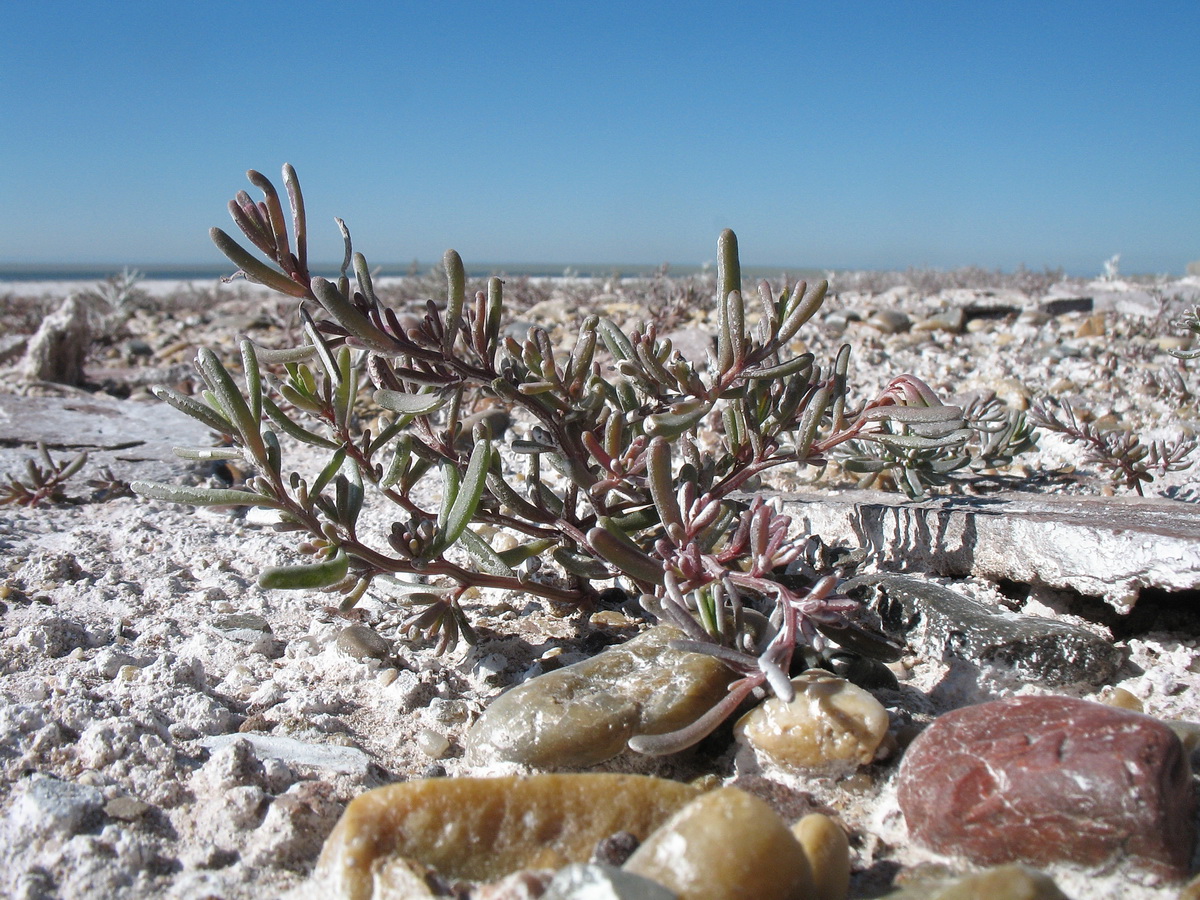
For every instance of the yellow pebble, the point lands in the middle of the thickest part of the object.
(1123, 699)
(725, 845)
(830, 725)
(828, 852)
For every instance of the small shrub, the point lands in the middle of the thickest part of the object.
(635, 462)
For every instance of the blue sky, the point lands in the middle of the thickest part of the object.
(866, 135)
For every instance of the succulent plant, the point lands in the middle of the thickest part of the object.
(1189, 319)
(1119, 452)
(984, 434)
(634, 455)
(42, 482)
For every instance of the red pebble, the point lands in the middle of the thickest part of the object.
(1051, 779)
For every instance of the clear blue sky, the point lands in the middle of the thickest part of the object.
(838, 134)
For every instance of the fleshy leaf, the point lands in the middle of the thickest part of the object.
(306, 577)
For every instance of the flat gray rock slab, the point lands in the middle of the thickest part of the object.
(940, 623)
(125, 435)
(1107, 547)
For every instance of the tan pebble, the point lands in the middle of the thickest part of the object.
(1191, 890)
(1004, 338)
(481, 829)
(126, 809)
(1123, 699)
(610, 618)
(951, 320)
(387, 676)
(1092, 326)
(828, 853)
(725, 845)
(830, 724)
(504, 541)
(1169, 342)
(975, 326)
(1034, 317)
(1011, 882)
(889, 321)
(585, 713)
(361, 642)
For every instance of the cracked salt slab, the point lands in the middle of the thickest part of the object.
(1109, 548)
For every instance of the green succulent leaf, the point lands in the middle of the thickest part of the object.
(200, 496)
(662, 487)
(467, 498)
(618, 549)
(313, 576)
(201, 412)
(291, 428)
(484, 555)
(350, 317)
(580, 564)
(411, 404)
(255, 269)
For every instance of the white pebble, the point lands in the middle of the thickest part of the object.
(432, 743)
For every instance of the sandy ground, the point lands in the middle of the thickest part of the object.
(135, 643)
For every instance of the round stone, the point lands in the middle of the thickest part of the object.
(1050, 779)
(829, 725)
(584, 714)
(725, 845)
(361, 642)
(828, 852)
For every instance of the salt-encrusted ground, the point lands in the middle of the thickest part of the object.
(134, 641)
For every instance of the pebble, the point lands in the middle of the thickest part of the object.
(952, 320)
(1122, 699)
(126, 809)
(827, 850)
(1092, 326)
(481, 829)
(432, 743)
(246, 628)
(361, 642)
(584, 714)
(1036, 317)
(830, 725)
(725, 845)
(1171, 342)
(1008, 882)
(1050, 779)
(890, 321)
